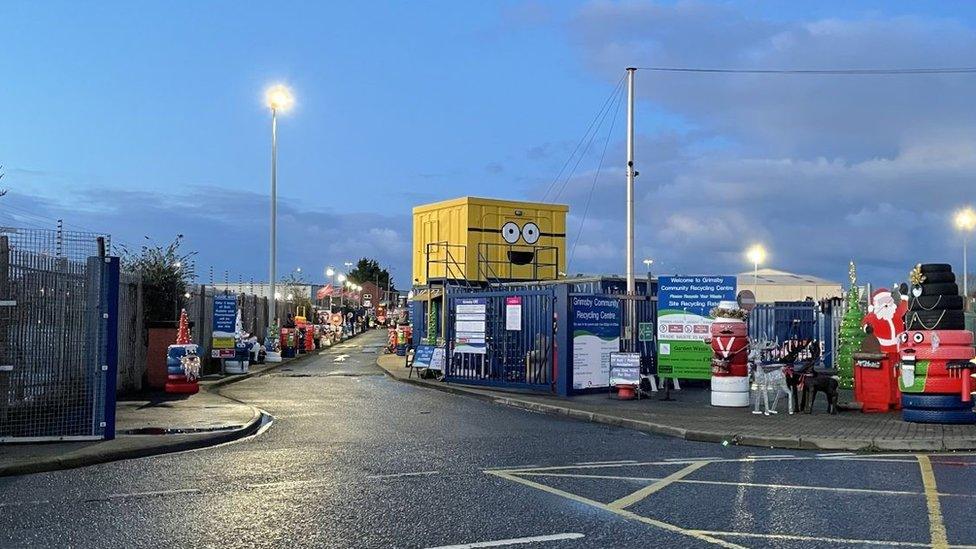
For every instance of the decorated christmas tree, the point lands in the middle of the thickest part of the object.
(851, 333)
(183, 335)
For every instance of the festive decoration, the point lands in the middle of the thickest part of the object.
(190, 363)
(886, 318)
(915, 276)
(851, 334)
(183, 335)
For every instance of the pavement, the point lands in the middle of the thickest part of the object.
(355, 458)
(691, 417)
(150, 424)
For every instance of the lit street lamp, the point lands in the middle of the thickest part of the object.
(756, 254)
(965, 222)
(330, 273)
(647, 263)
(278, 98)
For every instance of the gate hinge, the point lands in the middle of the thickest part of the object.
(6, 367)
(8, 303)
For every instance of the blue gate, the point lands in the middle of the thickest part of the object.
(501, 338)
(795, 320)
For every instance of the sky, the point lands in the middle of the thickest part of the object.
(145, 120)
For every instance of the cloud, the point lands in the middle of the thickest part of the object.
(228, 228)
(821, 170)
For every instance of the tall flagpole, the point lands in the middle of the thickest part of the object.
(631, 172)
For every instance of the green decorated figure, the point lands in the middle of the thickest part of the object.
(851, 333)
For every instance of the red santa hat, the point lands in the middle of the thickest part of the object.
(880, 293)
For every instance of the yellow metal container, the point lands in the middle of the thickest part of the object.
(488, 240)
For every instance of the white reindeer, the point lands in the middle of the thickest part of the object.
(766, 378)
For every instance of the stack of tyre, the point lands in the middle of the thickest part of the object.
(935, 352)
(730, 345)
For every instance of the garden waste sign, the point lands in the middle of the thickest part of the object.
(684, 324)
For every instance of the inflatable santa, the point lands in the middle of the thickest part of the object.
(886, 318)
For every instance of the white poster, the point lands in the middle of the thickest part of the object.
(513, 313)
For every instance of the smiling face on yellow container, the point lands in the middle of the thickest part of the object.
(492, 239)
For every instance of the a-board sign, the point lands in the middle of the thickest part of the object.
(684, 324)
(224, 315)
(624, 369)
(513, 313)
(469, 325)
(595, 321)
(429, 356)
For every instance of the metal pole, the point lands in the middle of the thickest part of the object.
(631, 172)
(755, 279)
(274, 218)
(965, 271)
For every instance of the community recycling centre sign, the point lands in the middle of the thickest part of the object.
(684, 324)
(596, 334)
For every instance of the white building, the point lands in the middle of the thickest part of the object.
(771, 285)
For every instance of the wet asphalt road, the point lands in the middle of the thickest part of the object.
(355, 459)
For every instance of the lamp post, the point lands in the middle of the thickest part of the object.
(756, 254)
(341, 278)
(330, 273)
(278, 98)
(647, 263)
(965, 222)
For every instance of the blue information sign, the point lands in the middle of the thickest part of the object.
(596, 334)
(224, 316)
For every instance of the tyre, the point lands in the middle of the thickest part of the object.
(955, 417)
(726, 328)
(927, 401)
(935, 320)
(945, 353)
(938, 276)
(946, 337)
(731, 400)
(930, 302)
(730, 384)
(935, 268)
(937, 288)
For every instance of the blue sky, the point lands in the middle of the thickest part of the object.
(146, 119)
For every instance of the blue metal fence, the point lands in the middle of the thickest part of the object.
(520, 358)
(796, 320)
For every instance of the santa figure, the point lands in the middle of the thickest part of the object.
(886, 318)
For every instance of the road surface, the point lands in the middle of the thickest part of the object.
(356, 459)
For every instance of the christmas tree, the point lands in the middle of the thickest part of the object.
(851, 333)
(183, 335)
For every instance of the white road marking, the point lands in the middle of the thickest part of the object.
(621, 512)
(32, 502)
(606, 462)
(398, 475)
(512, 541)
(746, 484)
(689, 460)
(340, 358)
(835, 454)
(147, 494)
(771, 456)
(812, 538)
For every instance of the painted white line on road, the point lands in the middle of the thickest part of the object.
(835, 454)
(155, 493)
(621, 512)
(790, 537)
(689, 460)
(637, 496)
(32, 502)
(770, 456)
(748, 484)
(606, 462)
(398, 475)
(512, 541)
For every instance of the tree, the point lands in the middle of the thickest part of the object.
(165, 273)
(293, 284)
(851, 333)
(368, 270)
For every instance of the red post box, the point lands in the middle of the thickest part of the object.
(876, 381)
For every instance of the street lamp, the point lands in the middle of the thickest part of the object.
(330, 273)
(277, 98)
(965, 222)
(647, 263)
(756, 254)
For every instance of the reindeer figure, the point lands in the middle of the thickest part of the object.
(768, 377)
